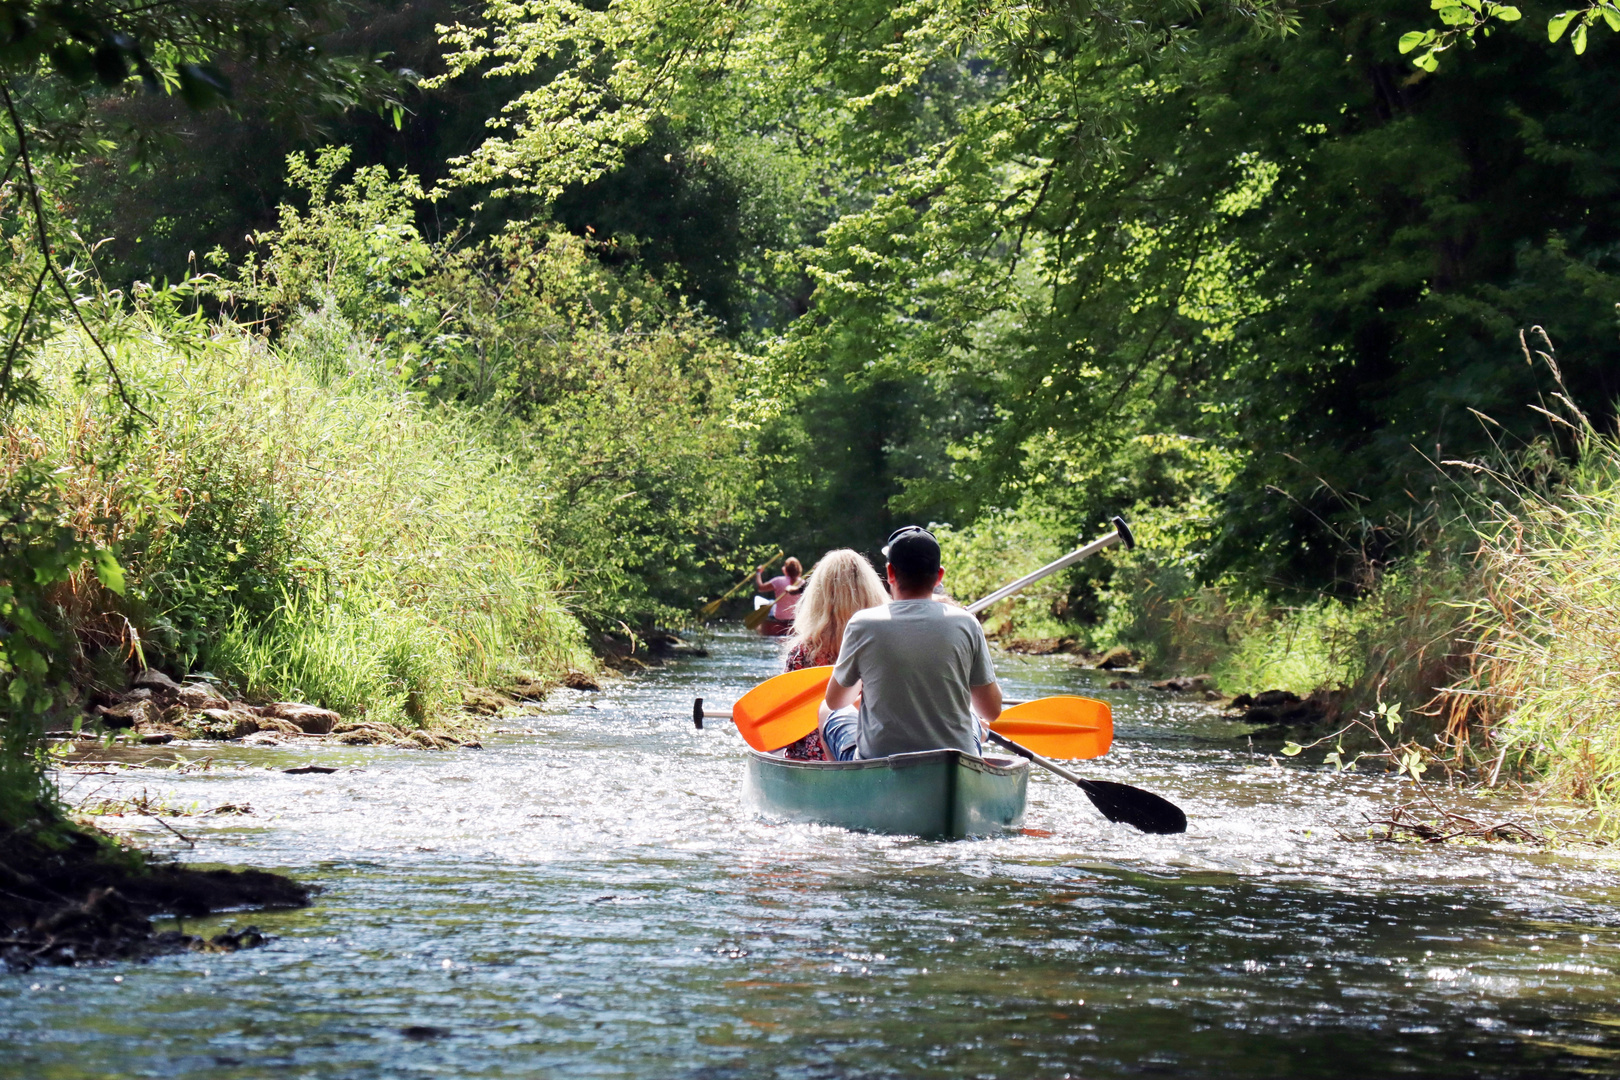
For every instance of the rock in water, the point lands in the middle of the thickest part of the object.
(157, 682)
(200, 695)
(223, 724)
(1117, 657)
(1186, 684)
(128, 714)
(310, 719)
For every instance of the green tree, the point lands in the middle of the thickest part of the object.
(1136, 222)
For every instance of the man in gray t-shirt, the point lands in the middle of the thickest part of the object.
(920, 667)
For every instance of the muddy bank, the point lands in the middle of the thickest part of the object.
(68, 896)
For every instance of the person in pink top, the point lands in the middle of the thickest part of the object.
(786, 588)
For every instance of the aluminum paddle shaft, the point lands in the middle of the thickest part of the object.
(1119, 803)
(1120, 535)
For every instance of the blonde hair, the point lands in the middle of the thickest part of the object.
(841, 584)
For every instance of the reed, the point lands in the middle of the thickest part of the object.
(1546, 664)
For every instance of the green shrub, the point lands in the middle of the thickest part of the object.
(618, 402)
(39, 556)
(1404, 640)
(1000, 547)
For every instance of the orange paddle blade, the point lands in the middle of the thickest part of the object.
(1059, 727)
(782, 710)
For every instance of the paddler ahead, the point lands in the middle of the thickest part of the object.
(785, 588)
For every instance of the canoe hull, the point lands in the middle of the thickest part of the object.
(937, 794)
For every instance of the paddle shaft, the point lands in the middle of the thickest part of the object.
(714, 605)
(1117, 802)
(1049, 766)
(1120, 535)
(700, 714)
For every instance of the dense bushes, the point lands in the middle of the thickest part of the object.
(619, 402)
(413, 467)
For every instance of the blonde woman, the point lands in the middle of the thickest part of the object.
(841, 584)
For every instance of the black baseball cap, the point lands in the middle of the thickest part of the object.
(913, 552)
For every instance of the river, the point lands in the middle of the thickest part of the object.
(592, 900)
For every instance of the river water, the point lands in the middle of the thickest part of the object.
(592, 900)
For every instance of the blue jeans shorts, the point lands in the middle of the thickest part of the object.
(841, 731)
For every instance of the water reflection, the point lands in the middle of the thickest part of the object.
(591, 900)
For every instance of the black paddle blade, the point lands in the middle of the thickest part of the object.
(1126, 805)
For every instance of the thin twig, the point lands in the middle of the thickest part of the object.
(147, 813)
(22, 325)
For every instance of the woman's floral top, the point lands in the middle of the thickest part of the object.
(809, 748)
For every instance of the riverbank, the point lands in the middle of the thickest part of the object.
(72, 895)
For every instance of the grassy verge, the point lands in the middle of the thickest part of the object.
(1547, 662)
(299, 535)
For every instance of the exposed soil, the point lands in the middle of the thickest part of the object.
(68, 897)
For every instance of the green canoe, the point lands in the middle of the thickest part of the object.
(936, 793)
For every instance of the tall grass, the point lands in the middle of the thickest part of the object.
(388, 663)
(1547, 660)
(302, 528)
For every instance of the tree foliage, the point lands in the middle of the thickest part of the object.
(1135, 226)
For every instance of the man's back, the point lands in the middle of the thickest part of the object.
(917, 660)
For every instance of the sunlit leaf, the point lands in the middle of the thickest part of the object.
(109, 572)
(1558, 24)
(1292, 749)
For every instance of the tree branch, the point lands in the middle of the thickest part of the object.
(50, 263)
(16, 340)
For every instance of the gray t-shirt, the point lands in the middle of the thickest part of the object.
(917, 659)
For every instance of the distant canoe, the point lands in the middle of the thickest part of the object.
(935, 794)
